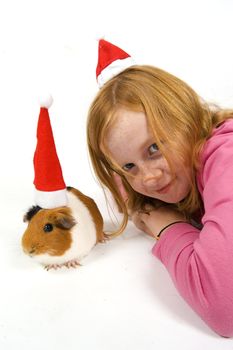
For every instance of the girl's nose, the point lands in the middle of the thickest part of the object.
(150, 176)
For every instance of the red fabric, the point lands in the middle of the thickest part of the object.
(48, 172)
(107, 54)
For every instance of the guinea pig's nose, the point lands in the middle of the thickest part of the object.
(32, 251)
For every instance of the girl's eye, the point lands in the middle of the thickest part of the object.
(153, 149)
(128, 166)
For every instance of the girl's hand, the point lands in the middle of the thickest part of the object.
(141, 222)
(151, 220)
(154, 220)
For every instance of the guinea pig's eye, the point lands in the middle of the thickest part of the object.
(48, 227)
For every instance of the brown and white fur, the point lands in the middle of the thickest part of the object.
(63, 236)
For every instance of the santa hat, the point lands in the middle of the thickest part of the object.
(111, 61)
(50, 188)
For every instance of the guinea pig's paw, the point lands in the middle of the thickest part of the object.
(52, 266)
(105, 238)
(72, 263)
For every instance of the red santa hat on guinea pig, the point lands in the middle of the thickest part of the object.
(111, 61)
(50, 188)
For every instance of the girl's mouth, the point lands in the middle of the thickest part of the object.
(165, 189)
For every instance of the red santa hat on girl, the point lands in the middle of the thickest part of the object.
(50, 188)
(111, 61)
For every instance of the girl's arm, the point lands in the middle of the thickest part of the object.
(200, 262)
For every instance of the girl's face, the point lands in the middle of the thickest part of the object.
(132, 146)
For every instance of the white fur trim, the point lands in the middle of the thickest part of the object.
(49, 200)
(113, 69)
(46, 101)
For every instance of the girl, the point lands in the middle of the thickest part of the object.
(167, 158)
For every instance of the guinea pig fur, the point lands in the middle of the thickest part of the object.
(63, 236)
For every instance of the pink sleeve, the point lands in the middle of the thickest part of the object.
(201, 262)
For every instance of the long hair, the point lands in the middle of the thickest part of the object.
(179, 119)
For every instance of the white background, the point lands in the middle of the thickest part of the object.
(121, 298)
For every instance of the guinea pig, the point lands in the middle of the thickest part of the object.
(65, 235)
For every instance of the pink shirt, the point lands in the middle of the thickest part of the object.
(200, 262)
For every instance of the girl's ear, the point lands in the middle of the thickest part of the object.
(120, 186)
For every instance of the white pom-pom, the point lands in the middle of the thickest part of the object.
(46, 101)
(99, 37)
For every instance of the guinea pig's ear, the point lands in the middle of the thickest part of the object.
(63, 219)
(31, 212)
